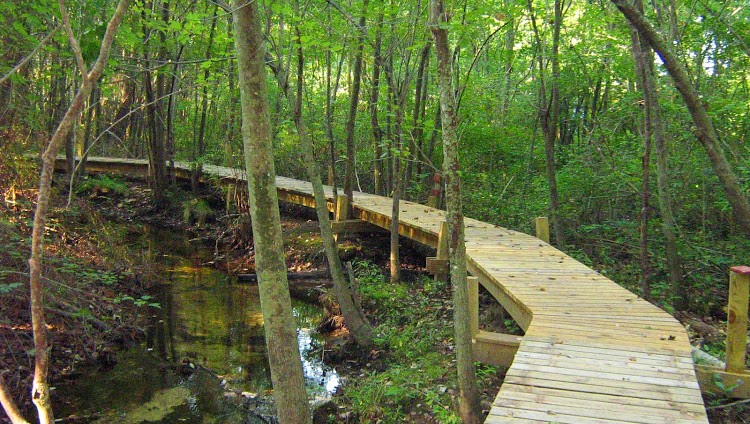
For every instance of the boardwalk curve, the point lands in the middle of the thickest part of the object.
(593, 352)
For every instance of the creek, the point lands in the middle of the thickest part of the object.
(204, 357)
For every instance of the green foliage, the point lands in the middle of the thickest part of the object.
(414, 327)
(196, 211)
(6, 288)
(144, 300)
(103, 185)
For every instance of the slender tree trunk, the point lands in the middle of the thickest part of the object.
(398, 99)
(201, 142)
(40, 392)
(355, 319)
(94, 110)
(9, 406)
(351, 121)
(416, 132)
(469, 402)
(419, 131)
(157, 166)
(704, 127)
(640, 62)
(549, 115)
(377, 132)
(510, 42)
(281, 336)
(655, 124)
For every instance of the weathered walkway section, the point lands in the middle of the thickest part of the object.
(593, 352)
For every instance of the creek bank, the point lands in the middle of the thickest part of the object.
(413, 319)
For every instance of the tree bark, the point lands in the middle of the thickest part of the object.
(355, 319)
(704, 127)
(9, 406)
(640, 63)
(655, 126)
(155, 134)
(549, 114)
(377, 132)
(351, 121)
(40, 392)
(469, 402)
(281, 336)
(417, 129)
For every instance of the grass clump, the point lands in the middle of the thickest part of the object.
(196, 211)
(102, 185)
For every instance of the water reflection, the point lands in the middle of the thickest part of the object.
(204, 319)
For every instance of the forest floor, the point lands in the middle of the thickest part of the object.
(96, 287)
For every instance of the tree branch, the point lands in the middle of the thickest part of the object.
(29, 56)
(9, 405)
(73, 41)
(40, 392)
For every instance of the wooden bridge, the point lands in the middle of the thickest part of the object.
(592, 352)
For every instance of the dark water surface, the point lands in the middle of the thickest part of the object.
(207, 322)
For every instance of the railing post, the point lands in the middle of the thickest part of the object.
(739, 283)
(542, 228)
(473, 286)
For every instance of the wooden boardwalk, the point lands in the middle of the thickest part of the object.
(592, 352)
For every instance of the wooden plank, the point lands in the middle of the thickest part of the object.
(542, 228)
(605, 409)
(547, 416)
(605, 398)
(620, 367)
(604, 386)
(593, 409)
(605, 375)
(437, 267)
(670, 362)
(582, 346)
(473, 292)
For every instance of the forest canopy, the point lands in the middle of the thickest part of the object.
(552, 113)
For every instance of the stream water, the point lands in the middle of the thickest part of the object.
(204, 345)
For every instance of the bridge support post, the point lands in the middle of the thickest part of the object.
(342, 207)
(542, 228)
(473, 283)
(439, 265)
(739, 285)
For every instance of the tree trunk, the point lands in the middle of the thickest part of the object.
(469, 402)
(655, 124)
(509, 56)
(549, 114)
(640, 62)
(157, 166)
(377, 132)
(281, 336)
(355, 319)
(351, 121)
(704, 127)
(417, 130)
(40, 392)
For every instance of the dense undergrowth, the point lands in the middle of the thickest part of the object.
(411, 375)
(94, 290)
